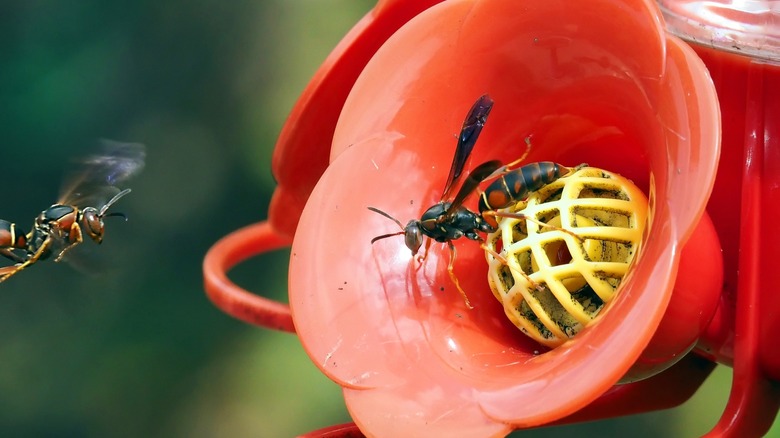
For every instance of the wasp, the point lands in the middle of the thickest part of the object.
(449, 220)
(79, 211)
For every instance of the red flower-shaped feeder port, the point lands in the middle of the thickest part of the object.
(603, 85)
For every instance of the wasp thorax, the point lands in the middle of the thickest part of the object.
(435, 212)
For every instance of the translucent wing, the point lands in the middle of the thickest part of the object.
(472, 126)
(96, 178)
(86, 259)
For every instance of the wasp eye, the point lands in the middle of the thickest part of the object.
(413, 236)
(93, 224)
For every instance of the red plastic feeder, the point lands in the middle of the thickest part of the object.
(604, 85)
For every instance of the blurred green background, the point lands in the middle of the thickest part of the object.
(139, 350)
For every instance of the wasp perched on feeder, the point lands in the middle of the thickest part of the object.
(79, 210)
(449, 220)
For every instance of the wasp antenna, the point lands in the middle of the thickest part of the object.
(122, 215)
(376, 210)
(112, 201)
(384, 236)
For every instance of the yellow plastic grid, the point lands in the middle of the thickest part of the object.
(556, 282)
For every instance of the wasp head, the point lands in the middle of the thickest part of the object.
(92, 218)
(412, 232)
(413, 235)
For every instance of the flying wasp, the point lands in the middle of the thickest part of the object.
(449, 220)
(90, 190)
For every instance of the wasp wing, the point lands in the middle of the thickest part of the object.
(472, 126)
(479, 174)
(86, 259)
(96, 178)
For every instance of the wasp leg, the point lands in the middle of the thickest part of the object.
(7, 269)
(508, 167)
(530, 219)
(505, 262)
(75, 235)
(34, 258)
(9, 254)
(423, 257)
(451, 271)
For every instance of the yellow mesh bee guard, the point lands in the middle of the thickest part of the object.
(555, 282)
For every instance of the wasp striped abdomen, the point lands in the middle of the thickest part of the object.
(11, 236)
(514, 186)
